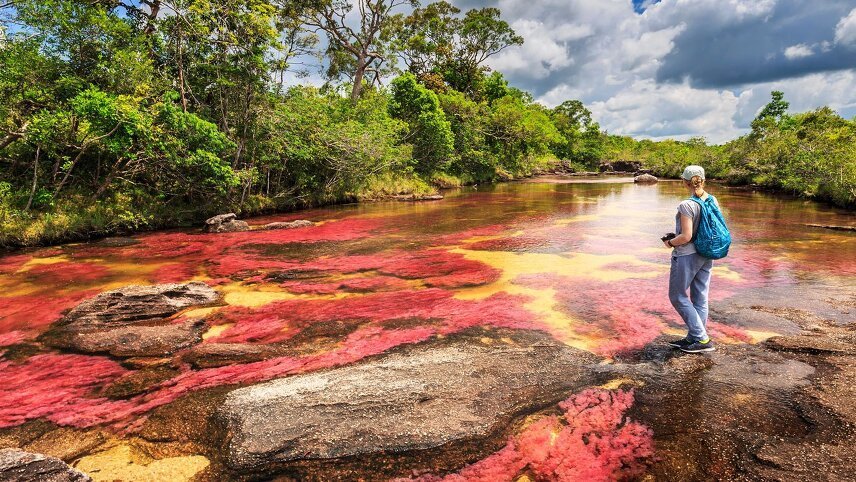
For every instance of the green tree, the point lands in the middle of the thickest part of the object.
(430, 132)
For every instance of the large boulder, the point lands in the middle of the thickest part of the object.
(133, 321)
(645, 179)
(225, 223)
(427, 396)
(19, 466)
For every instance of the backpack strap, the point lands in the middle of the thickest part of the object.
(700, 212)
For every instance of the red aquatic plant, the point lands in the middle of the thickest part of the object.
(65, 273)
(12, 337)
(57, 387)
(37, 311)
(278, 321)
(592, 441)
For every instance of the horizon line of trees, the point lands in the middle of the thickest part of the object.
(130, 114)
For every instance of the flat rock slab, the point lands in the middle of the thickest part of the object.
(426, 396)
(132, 321)
(19, 466)
(133, 341)
(300, 223)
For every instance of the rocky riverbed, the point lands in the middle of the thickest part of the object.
(511, 334)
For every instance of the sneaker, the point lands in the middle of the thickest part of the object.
(680, 343)
(698, 347)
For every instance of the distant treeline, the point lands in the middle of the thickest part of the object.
(128, 115)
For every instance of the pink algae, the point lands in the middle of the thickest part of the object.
(59, 388)
(12, 337)
(592, 441)
(279, 320)
(66, 272)
(35, 312)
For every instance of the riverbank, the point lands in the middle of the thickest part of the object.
(122, 215)
(76, 218)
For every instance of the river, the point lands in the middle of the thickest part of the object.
(578, 262)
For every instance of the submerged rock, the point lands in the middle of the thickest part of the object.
(17, 465)
(300, 223)
(425, 397)
(225, 223)
(415, 197)
(132, 321)
(833, 227)
(209, 355)
(645, 179)
(117, 242)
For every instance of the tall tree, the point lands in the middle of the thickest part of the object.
(357, 51)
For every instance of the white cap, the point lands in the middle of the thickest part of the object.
(692, 171)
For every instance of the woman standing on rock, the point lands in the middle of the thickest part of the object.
(690, 270)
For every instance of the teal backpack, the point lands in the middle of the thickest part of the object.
(712, 239)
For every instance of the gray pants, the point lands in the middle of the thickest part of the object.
(691, 271)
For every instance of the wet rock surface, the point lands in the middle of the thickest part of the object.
(19, 466)
(300, 223)
(225, 223)
(645, 179)
(781, 410)
(135, 341)
(132, 321)
(419, 197)
(423, 397)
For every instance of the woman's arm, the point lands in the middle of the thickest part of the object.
(686, 232)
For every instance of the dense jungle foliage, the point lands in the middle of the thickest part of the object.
(117, 116)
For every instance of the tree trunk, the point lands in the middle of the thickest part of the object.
(35, 178)
(108, 179)
(358, 79)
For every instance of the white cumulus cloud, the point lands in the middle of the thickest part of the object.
(845, 31)
(798, 51)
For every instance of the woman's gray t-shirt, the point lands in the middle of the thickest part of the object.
(693, 210)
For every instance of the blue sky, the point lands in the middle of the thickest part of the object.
(679, 68)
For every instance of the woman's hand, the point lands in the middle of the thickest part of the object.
(666, 244)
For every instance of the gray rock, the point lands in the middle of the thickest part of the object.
(220, 219)
(133, 341)
(414, 197)
(425, 397)
(132, 321)
(645, 179)
(19, 466)
(300, 223)
(234, 226)
(225, 223)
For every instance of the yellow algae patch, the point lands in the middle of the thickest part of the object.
(216, 330)
(726, 273)
(571, 265)
(200, 312)
(542, 302)
(251, 296)
(254, 298)
(618, 382)
(119, 463)
(491, 237)
(43, 261)
(576, 219)
(759, 336)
